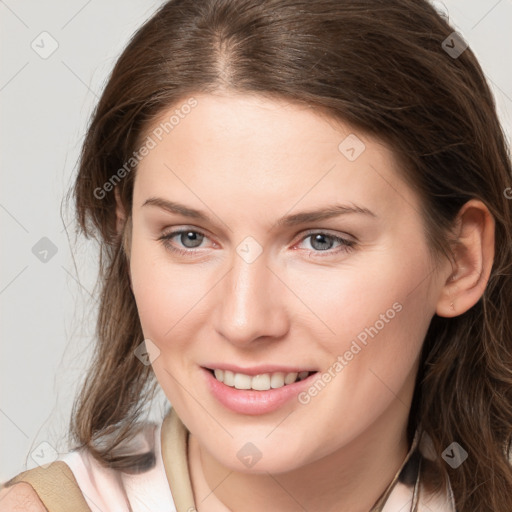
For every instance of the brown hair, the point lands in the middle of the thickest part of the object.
(380, 66)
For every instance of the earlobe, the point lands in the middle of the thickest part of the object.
(473, 259)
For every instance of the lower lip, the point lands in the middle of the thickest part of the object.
(249, 401)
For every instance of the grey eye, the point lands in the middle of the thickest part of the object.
(190, 237)
(318, 241)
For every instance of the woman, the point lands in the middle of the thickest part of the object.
(304, 217)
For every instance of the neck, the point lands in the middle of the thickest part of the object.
(348, 480)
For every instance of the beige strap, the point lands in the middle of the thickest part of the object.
(56, 487)
(174, 454)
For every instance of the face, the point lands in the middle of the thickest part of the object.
(254, 286)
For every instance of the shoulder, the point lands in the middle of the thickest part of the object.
(20, 496)
(77, 478)
(50, 487)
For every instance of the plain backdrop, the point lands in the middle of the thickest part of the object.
(56, 56)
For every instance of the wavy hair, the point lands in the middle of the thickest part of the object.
(380, 66)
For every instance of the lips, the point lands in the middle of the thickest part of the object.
(250, 401)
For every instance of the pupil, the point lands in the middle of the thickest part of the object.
(191, 236)
(319, 238)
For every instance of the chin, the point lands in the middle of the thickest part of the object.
(250, 459)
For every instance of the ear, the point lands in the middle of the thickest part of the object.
(474, 256)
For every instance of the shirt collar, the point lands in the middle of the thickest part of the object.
(407, 479)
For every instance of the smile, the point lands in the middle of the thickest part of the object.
(260, 382)
(260, 393)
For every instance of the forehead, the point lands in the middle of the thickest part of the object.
(261, 152)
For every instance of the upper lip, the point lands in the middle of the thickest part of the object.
(257, 370)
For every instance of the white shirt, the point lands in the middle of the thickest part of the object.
(113, 490)
(107, 489)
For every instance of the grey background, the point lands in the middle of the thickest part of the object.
(48, 313)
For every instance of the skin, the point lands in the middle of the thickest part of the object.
(20, 496)
(247, 161)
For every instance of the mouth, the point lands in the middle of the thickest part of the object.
(260, 381)
(256, 393)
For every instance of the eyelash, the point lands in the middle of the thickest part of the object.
(346, 245)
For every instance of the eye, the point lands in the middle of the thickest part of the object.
(190, 238)
(322, 242)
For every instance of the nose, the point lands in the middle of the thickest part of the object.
(252, 303)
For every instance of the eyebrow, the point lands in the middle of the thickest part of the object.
(286, 221)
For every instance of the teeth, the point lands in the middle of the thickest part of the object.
(277, 380)
(262, 382)
(242, 381)
(229, 378)
(290, 378)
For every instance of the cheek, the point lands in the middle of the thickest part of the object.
(380, 318)
(385, 291)
(165, 293)
(374, 313)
